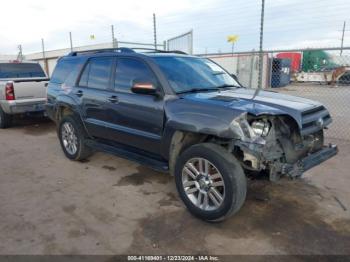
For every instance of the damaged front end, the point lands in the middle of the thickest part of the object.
(277, 145)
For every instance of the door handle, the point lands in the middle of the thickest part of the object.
(79, 93)
(113, 99)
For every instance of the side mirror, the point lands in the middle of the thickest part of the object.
(145, 88)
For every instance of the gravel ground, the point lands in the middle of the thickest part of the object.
(107, 205)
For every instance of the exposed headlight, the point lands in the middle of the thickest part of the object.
(261, 127)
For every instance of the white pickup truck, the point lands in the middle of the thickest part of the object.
(22, 89)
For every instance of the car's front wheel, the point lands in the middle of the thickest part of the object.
(72, 138)
(210, 182)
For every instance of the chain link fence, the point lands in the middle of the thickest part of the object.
(318, 74)
(183, 42)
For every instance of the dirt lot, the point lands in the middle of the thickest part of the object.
(107, 205)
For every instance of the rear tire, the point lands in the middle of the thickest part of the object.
(72, 138)
(215, 193)
(5, 119)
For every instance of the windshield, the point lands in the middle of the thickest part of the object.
(20, 70)
(187, 74)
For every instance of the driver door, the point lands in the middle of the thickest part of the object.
(135, 119)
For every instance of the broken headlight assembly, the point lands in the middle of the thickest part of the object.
(261, 127)
(247, 130)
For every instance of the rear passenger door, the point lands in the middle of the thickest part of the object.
(94, 91)
(136, 119)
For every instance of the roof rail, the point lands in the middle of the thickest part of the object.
(151, 50)
(121, 49)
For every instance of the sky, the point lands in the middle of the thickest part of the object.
(288, 23)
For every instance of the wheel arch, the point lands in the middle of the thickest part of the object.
(177, 141)
(64, 109)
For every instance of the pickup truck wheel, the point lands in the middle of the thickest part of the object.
(210, 181)
(72, 138)
(5, 119)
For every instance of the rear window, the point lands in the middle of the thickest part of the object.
(20, 70)
(65, 68)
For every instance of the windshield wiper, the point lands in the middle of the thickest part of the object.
(226, 85)
(195, 90)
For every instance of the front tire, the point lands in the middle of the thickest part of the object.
(72, 138)
(210, 181)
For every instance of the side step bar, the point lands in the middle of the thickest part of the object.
(142, 159)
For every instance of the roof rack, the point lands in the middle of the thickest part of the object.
(93, 51)
(151, 50)
(123, 50)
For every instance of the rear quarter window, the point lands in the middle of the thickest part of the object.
(66, 71)
(21, 70)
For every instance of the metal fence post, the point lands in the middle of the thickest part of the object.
(46, 66)
(261, 46)
(251, 68)
(154, 31)
(342, 39)
(270, 71)
(114, 40)
(71, 41)
(191, 42)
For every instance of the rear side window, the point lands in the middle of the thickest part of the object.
(64, 69)
(97, 73)
(21, 70)
(128, 70)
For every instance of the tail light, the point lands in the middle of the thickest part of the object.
(10, 91)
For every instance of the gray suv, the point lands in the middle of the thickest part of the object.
(187, 116)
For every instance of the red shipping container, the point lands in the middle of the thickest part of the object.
(295, 60)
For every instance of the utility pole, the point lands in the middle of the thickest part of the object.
(20, 53)
(114, 40)
(261, 54)
(154, 31)
(342, 39)
(71, 41)
(44, 58)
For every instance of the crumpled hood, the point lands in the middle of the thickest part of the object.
(266, 102)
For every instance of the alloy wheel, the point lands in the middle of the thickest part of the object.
(69, 138)
(203, 184)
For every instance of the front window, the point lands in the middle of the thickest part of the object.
(128, 70)
(187, 74)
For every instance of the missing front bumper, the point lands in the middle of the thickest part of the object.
(310, 161)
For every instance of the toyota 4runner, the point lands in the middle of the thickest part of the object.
(185, 115)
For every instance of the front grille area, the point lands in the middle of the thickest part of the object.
(315, 119)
